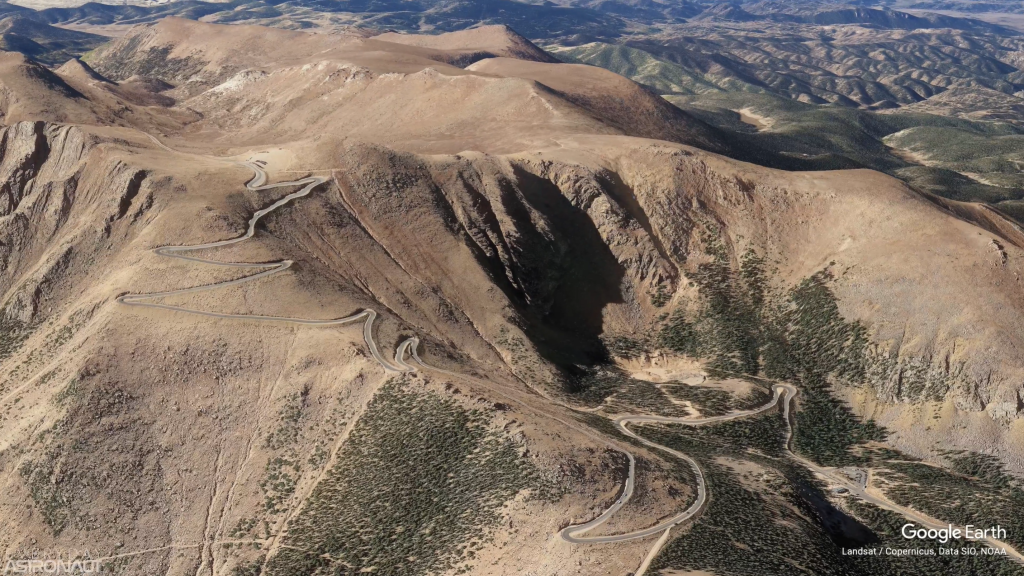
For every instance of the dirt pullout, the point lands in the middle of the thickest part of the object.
(749, 116)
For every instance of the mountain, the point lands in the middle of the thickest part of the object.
(578, 21)
(44, 43)
(832, 95)
(288, 303)
(80, 71)
(840, 15)
(476, 44)
(31, 92)
(217, 81)
(851, 56)
(967, 6)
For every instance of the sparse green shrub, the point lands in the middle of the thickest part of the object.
(798, 337)
(825, 429)
(78, 462)
(66, 393)
(808, 335)
(51, 496)
(288, 417)
(660, 297)
(764, 432)
(679, 335)
(418, 482)
(12, 334)
(725, 329)
(253, 568)
(243, 527)
(319, 456)
(625, 347)
(975, 490)
(886, 526)
(740, 326)
(811, 343)
(278, 483)
(743, 530)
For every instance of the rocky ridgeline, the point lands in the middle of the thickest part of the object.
(53, 176)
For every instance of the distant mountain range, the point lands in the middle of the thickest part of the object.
(577, 21)
(42, 42)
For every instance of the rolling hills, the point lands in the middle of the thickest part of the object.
(44, 43)
(918, 66)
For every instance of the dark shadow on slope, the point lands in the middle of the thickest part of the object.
(567, 278)
(844, 530)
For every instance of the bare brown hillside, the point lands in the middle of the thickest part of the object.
(475, 44)
(544, 237)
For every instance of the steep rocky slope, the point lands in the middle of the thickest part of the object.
(165, 406)
(631, 224)
(518, 218)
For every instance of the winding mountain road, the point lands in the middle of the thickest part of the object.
(573, 533)
(258, 183)
(783, 392)
(408, 348)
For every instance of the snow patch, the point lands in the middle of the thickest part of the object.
(239, 81)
